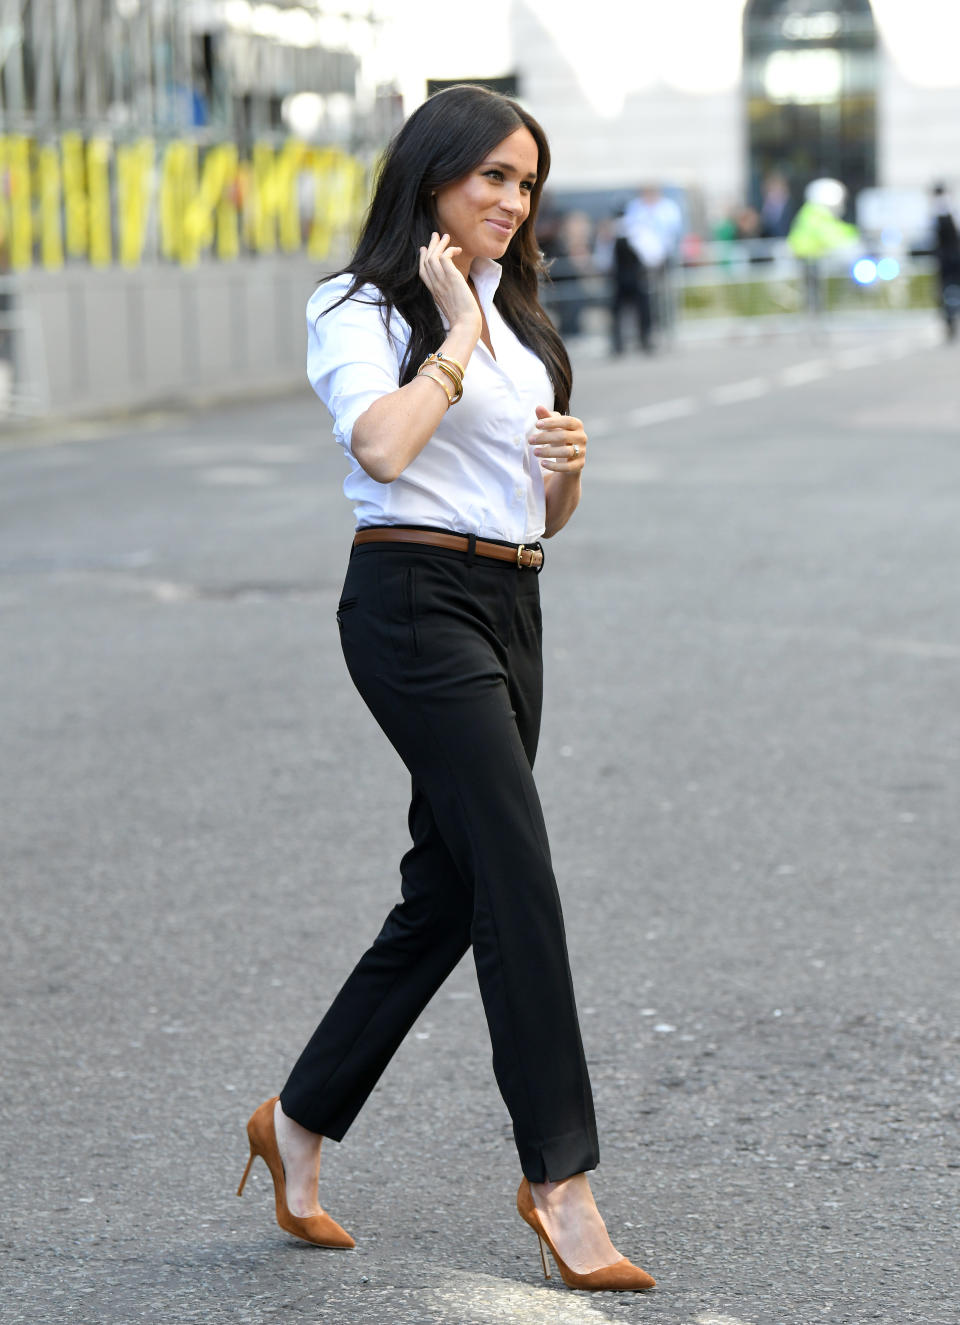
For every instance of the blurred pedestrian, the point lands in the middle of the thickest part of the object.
(653, 225)
(946, 247)
(629, 292)
(818, 231)
(776, 208)
(740, 227)
(440, 626)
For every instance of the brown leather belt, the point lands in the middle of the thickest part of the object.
(523, 557)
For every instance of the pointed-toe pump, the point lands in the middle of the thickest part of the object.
(318, 1229)
(620, 1277)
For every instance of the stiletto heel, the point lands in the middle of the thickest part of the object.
(622, 1276)
(246, 1171)
(320, 1229)
(543, 1257)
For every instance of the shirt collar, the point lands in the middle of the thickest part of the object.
(485, 274)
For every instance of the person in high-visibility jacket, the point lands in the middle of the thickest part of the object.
(817, 231)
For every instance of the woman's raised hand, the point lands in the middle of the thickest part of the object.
(559, 442)
(446, 283)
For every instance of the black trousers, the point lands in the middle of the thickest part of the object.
(633, 295)
(444, 647)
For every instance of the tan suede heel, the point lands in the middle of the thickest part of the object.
(621, 1277)
(318, 1229)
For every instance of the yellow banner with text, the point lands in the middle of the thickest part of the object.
(107, 203)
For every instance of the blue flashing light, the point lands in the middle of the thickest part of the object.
(865, 271)
(888, 269)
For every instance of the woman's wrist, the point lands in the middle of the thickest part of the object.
(461, 339)
(446, 371)
(562, 480)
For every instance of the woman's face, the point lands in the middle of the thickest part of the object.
(483, 211)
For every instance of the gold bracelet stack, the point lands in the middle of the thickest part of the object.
(450, 369)
(425, 372)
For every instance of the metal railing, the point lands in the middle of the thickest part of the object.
(752, 279)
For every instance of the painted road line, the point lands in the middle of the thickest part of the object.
(662, 412)
(731, 394)
(899, 349)
(798, 374)
(864, 356)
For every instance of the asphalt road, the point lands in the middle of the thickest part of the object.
(750, 767)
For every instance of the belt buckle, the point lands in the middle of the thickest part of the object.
(520, 551)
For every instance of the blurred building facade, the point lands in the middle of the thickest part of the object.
(715, 94)
(230, 68)
(176, 130)
(174, 175)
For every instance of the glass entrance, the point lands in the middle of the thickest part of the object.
(810, 78)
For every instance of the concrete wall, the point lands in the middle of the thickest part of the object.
(90, 340)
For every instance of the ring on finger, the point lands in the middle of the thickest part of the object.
(576, 451)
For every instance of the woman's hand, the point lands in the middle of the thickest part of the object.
(449, 287)
(394, 430)
(560, 442)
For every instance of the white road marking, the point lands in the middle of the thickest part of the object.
(800, 373)
(166, 591)
(661, 412)
(914, 648)
(497, 1300)
(862, 357)
(753, 388)
(898, 349)
(733, 392)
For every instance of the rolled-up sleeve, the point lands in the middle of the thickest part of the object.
(352, 360)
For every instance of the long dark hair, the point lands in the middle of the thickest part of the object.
(442, 141)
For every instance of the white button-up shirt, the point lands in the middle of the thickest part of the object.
(477, 474)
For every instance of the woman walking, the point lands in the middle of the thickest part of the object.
(449, 390)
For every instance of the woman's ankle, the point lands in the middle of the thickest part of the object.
(576, 1187)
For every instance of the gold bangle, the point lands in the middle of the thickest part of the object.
(451, 375)
(450, 369)
(448, 359)
(424, 371)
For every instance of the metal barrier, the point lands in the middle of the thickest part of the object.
(86, 340)
(753, 279)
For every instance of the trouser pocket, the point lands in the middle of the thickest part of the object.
(398, 603)
(343, 607)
